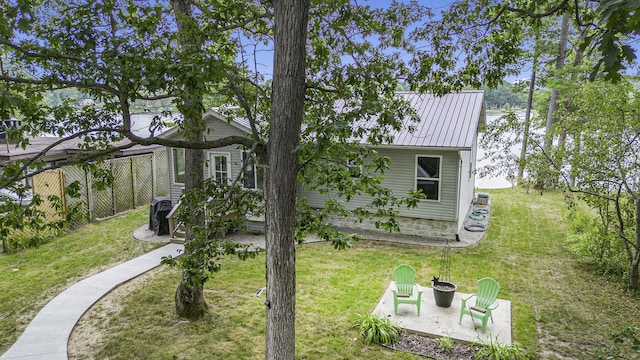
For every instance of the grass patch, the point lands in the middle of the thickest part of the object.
(32, 277)
(560, 310)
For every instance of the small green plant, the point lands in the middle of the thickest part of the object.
(446, 343)
(625, 341)
(378, 329)
(497, 351)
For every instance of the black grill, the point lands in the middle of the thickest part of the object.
(160, 208)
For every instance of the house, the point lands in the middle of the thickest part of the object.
(439, 157)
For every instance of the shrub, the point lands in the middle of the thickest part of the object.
(446, 343)
(497, 351)
(378, 329)
(592, 244)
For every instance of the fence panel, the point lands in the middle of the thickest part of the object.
(143, 179)
(122, 185)
(50, 182)
(137, 180)
(72, 174)
(102, 205)
(161, 167)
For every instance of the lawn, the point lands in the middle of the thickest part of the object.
(560, 308)
(30, 278)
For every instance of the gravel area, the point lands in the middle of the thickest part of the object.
(430, 348)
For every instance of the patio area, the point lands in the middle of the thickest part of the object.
(437, 322)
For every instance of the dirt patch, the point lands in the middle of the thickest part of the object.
(430, 347)
(89, 330)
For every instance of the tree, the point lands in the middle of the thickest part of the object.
(121, 56)
(121, 51)
(559, 63)
(117, 59)
(502, 95)
(606, 163)
(527, 117)
(287, 108)
(189, 298)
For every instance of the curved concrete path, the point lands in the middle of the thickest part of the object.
(47, 335)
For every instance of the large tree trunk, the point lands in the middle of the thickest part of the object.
(287, 107)
(189, 298)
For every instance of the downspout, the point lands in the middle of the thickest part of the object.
(457, 211)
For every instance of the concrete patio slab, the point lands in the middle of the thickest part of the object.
(436, 321)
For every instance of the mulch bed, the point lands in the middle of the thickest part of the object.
(430, 347)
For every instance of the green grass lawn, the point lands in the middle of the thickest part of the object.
(559, 309)
(30, 278)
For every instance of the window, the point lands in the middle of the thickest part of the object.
(220, 166)
(354, 169)
(428, 176)
(253, 175)
(178, 166)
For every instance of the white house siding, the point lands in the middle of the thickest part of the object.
(218, 129)
(435, 219)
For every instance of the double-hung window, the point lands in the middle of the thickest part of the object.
(253, 175)
(178, 166)
(428, 170)
(219, 164)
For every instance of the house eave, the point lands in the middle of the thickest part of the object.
(422, 148)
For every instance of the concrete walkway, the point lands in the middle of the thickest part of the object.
(47, 335)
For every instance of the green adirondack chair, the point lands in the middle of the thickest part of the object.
(405, 290)
(485, 302)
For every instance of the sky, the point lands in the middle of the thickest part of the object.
(265, 55)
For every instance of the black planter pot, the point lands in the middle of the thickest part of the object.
(443, 293)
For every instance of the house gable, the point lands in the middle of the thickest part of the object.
(217, 127)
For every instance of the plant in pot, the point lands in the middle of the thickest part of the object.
(443, 289)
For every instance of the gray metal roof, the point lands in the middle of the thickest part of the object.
(449, 121)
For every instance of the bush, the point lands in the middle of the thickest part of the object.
(378, 329)
(592, 244)
(446, 343)
(497, 351)
(625, 341)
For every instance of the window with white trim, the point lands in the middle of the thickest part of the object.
(220, 170)
(253, 175)
(428, 176)
(179, 168)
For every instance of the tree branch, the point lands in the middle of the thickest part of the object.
(534, 15)
(157, 97)
(78, 84)
(245, 106)
(318, 87)
(31, 54)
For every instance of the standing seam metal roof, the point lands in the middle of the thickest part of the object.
(449, 121)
